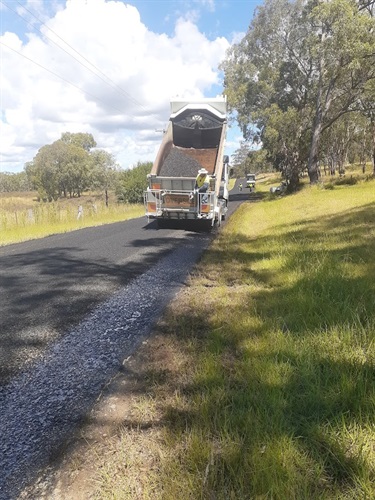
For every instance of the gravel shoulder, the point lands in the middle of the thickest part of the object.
(74, 472)
(58, 416)
(41, 408)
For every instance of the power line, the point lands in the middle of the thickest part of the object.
(124, 92)
(61, 78)
(107, 80)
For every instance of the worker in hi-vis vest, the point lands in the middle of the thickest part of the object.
(202, 184)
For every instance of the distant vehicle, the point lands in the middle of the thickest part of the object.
(250, 181)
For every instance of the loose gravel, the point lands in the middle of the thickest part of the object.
(178, 164)
(40, 408)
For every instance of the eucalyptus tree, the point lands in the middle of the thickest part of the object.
(240, 159)
(267, 79)
(285, 140)
(83, 140)
(60, 168)
(11, 182)
(367, 107)
(337, 140)
(344, 65)
(75, 169)
(133, 183)
(365, 139)
(105, 172)
(43, 172)
(300, 67)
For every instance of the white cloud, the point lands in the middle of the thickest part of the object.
(208, 4)
(113, 78)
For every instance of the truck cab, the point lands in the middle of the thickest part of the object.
(250, 181)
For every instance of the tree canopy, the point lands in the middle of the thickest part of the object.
(14, 182)
(69, 166)
(133, 182)
(301, 67)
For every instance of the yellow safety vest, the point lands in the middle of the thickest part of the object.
(200, 180)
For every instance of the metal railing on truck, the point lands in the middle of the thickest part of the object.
(179, 204)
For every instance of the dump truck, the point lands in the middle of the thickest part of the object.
(194, 139)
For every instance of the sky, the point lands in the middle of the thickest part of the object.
(109, 68)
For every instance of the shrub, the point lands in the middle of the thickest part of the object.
(343, 181)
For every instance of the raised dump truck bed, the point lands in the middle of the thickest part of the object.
(194, 139)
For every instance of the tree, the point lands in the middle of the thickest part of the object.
(83, 140)
(75, 169)
(259, 161)
(336, 141)
(240, 159)
(367, 108)
(43, 173)
(11, 182)
(133, 183)
(104, 174)
(60, 168)
(285, 140)
(344, 64)
(308, 63)
(245, 160)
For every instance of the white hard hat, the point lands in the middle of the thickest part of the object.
(202, 171)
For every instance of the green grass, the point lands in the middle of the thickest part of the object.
(263, 383)
(274, 396)
(23, 218)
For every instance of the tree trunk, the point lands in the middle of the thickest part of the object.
(106, 198)
(373, 147)
(294, 178)
(314, 149)
(312, 166)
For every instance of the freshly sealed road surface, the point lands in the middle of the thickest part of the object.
(72, 307)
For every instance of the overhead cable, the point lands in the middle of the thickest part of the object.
(107, 80)
(61, 78)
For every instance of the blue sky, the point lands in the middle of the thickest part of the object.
(214, 18)
(109, 68)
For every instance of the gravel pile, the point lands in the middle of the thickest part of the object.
(40, 408)
(178, 164)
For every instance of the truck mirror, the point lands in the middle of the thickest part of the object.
(225, 159)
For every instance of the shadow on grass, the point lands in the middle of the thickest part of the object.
(278, 404)
(273, 404)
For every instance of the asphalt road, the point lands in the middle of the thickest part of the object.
(48, 285)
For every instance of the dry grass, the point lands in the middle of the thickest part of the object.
(258, 381)
(23, 218)
(273, 397)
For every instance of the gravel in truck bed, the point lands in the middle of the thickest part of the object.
(41, 407)
(179, 164)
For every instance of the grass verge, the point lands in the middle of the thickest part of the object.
(259, 382)
(23, 218)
